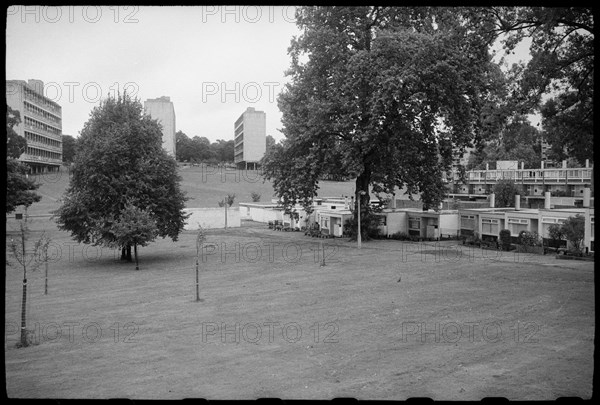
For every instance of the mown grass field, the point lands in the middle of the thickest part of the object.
(390, 321)
(204, 187)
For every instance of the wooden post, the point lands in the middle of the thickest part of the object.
(46, 280)
(24, 298)
(197, 282)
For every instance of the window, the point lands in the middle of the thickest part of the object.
(414, 223)
(552, 220)
(489, 226)
(467, 221)
(547, 222)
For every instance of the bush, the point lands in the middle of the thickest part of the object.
(400, 236)
(505, 239)
(255, 196)
(529, 240)
(555, 231)
(574, 230)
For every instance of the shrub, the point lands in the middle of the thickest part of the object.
(400, 236)
(505, 239)
(556, 234)
(574, 230)
(255, 196)
(529, 240)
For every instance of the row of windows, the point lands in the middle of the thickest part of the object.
(43, 153)
(42, 139)
(37, 110)
(40, 125)
(239, 129)
(38, 99)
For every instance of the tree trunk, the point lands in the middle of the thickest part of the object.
(362, 201)
(126, 253)
(137, 267)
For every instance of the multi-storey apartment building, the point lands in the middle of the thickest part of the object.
(41, 124)
(250, 138)
(162, 109)
(560, 181)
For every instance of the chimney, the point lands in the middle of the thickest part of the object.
(547, 200)
(542, 165)
(492, 200)
(522, 165)
(564, 164)
(587, 163)
(393, 202)
(517, 202)
(487, 166)
(586, 196)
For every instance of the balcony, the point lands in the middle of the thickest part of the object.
(39, 159)
(44, 131)
(55, 121)
(531, 176)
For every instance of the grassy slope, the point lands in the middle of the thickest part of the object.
(155, 341)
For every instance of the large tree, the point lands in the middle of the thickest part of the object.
(383, 94)
(558, 80)
(120, 163)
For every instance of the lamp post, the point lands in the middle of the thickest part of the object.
(359, 236)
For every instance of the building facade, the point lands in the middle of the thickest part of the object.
(250, 138)
(560, 181)
(41, 124)
(162, 109)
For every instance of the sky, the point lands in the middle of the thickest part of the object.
(213, 61)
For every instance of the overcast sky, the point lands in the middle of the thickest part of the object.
(213, 62)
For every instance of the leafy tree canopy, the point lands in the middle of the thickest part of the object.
(15, 145)
(558, 81)
(120, 162)
(20, 190)
(385, 94)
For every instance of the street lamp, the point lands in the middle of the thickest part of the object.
(359, 237)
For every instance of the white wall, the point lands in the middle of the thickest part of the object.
(397, 222)
(449, 223)
(212, 218)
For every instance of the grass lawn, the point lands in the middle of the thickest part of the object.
(204, 187)
(390, 321)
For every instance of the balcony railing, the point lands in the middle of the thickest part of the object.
(575, 175)
(39, 159)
